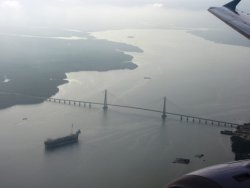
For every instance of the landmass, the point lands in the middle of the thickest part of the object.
(241, 142)
(35, 63)
(229, 37)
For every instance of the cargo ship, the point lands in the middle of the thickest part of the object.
(69, 139)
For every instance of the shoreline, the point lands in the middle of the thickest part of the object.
(42, 66)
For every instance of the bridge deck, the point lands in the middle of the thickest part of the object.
(181, 116)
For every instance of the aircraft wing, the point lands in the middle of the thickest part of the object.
(229, 175)
(237, 20)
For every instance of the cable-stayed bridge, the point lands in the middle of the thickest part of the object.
(163, 112)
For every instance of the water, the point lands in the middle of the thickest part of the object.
(129, 148)
(119, 148)
(197, 62)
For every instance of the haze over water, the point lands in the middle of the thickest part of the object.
(184, 53)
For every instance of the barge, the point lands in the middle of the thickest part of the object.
(58, 142)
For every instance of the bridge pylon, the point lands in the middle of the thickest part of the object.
(105, 104)
(164, 114)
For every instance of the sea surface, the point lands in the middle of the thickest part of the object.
(140, 52)
(130, 148)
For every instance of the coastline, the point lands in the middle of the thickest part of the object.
(40, 68)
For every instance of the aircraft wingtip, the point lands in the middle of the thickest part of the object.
(232, 5)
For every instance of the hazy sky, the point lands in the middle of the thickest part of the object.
(194, 4)
(104, 14)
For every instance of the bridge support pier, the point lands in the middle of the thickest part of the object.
(164, 114)
(105, 104)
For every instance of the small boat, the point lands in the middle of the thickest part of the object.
(227, 132)
(199, 156)
(69, 139)
(181, 161)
